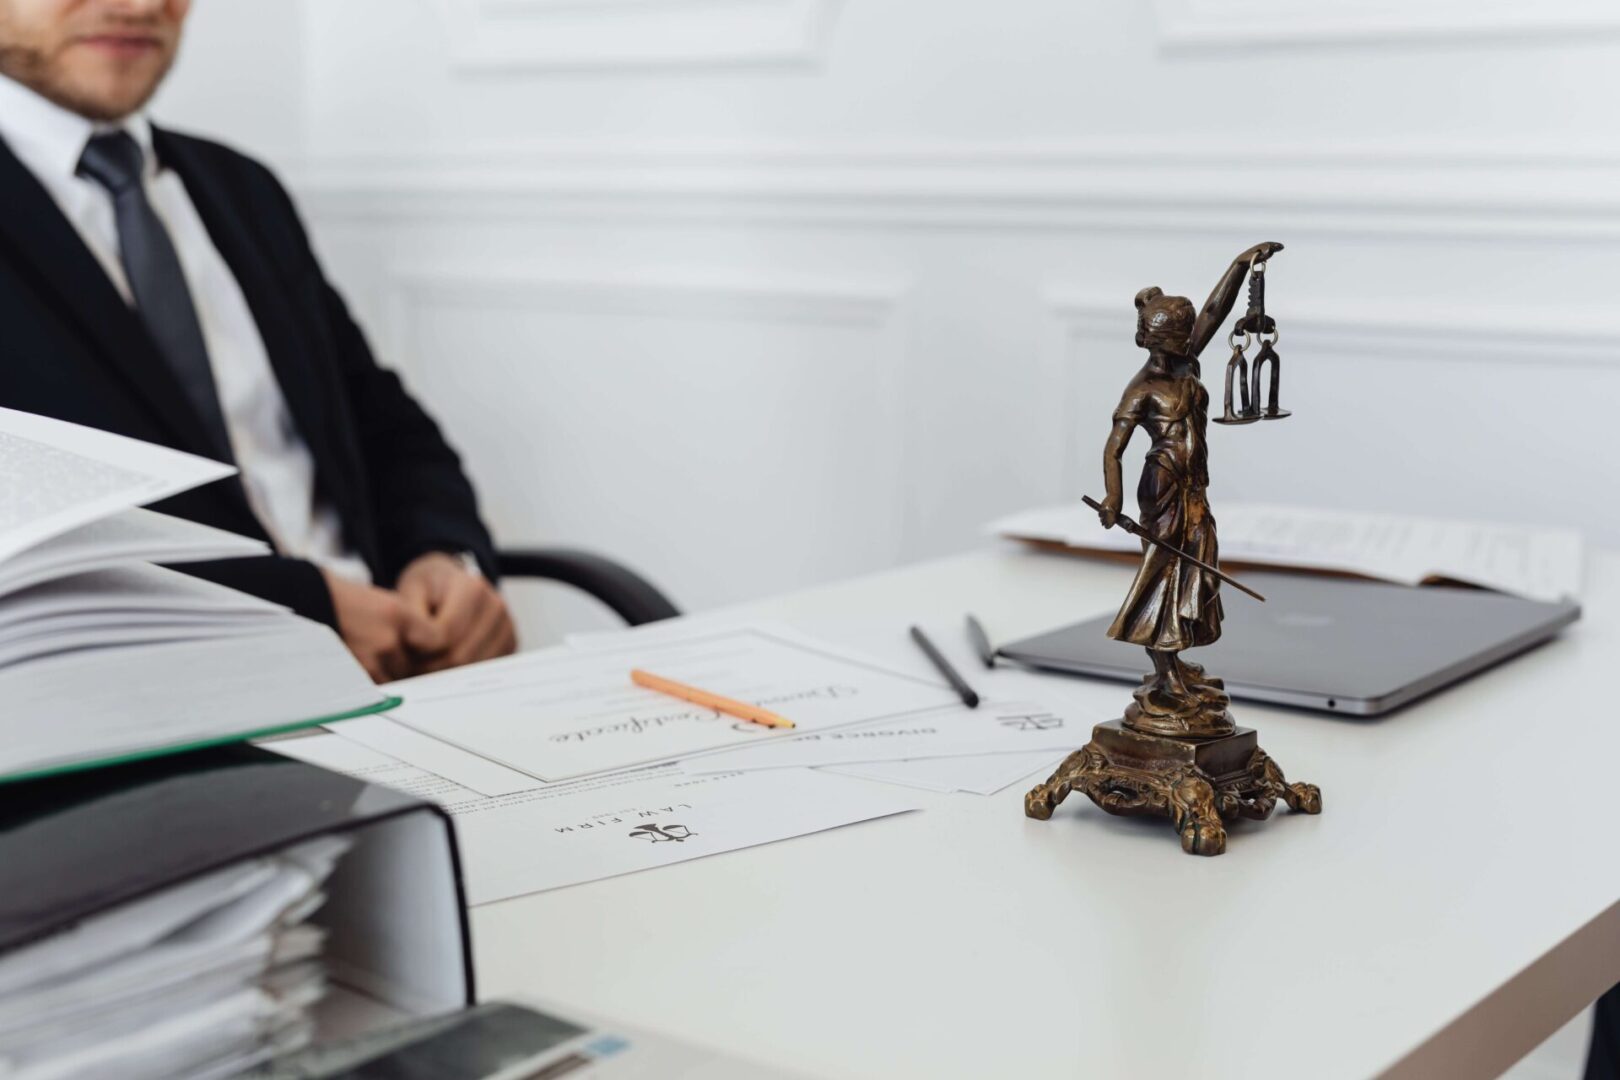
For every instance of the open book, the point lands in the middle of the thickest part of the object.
(105, 656)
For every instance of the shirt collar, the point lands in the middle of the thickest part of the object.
(141, 128)
(50, 139)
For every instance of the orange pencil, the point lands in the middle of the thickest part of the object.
(740, 709)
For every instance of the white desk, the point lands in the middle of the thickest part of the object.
(1453, 905)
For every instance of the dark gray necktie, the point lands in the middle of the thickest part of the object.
(114, 160)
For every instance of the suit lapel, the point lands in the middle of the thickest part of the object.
(227, 215)
(46, 245)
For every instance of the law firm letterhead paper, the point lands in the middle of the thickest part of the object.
(554, 835)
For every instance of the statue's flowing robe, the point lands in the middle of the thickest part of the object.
(1172, 604)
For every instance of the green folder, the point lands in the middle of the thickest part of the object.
(383, 705)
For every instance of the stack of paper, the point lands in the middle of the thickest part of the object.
(100, 649)
(201, 980)
(559, 770)
(1539, 563)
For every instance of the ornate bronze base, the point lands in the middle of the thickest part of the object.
(1193, 782)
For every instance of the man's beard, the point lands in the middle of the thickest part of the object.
(32, 68)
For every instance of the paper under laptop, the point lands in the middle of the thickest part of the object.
(1534, 562)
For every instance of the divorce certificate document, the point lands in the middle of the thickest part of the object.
(562, 714)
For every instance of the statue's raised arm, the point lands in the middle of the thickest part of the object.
(1224, 295)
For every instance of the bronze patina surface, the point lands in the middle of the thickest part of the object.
(1195, 783)
(1177, 751)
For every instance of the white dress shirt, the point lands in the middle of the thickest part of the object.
(277, 468)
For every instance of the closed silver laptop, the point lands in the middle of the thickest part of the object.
(1339, 645)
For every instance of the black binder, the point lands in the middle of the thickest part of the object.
(77, 844)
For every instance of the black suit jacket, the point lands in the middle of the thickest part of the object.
(70, 347)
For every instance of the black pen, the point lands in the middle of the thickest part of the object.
(963, 690)
(981, 642)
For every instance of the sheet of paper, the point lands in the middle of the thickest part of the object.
(1540, 563)
(126, 537)
(561, 714)
(176, 1044)
(952, 731)
(984, 775)
(567, 834)
(166, 955)
(128, 928)
(55, 476)
(137, 589)
(460, 767)
(656, 632)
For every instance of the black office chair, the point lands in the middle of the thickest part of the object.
(632, 597)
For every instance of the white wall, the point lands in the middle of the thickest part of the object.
(762, 292)
(240, 78)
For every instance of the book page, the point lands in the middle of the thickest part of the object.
(55, 476)
(124, 537)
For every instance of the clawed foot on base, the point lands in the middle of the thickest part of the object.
(1192, 805)
(1270, 782)
(1189, 797)
(1204, 838)
(1044, 798)
(1305, 798)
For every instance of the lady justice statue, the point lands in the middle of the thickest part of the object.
(1177, 751)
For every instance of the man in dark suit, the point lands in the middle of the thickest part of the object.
(161, 286)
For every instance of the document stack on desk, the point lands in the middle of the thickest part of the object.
(100, 651)
(190, 915)
(202, 979)
(558, 769)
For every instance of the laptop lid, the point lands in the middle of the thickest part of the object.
(1333, 644)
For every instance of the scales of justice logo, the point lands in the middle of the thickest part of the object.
(663, 834)
(1035, 721)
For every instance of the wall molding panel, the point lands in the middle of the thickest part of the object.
(408, 289)
(509, 37)
(1379, 333)
(626, 410)
(1564, 193)
(1229, 24)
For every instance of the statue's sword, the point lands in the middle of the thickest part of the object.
(1134, 529)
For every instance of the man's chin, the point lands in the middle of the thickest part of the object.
(104, 107)
(102, 95)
